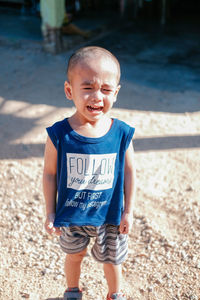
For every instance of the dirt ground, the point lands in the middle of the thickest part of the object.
(160, 97)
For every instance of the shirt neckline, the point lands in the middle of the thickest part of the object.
(90, 139)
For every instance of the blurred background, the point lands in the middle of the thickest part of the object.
(51, 20)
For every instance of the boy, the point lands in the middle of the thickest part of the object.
(89, 164)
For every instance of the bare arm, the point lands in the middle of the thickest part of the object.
(50, 185)
(129, 190)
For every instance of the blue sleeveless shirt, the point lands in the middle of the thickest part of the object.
(90, 174)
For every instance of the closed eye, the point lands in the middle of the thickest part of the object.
(107, 91)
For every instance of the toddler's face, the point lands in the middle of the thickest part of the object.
(93, 87)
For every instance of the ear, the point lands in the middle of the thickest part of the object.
(116, 92)
(68, 90)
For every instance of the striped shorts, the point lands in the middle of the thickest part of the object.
(109, 247)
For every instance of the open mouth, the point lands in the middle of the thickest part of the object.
(94, 108)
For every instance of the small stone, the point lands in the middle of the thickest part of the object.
(198, 265)
(189, 188)
(58, 277)
(25, 295)
(21, 217)
(184, 255)
(142, 291)
(185, 244)
(193, 297)
(150, 289)
(45, 271)
(170, 244)
(158, 281)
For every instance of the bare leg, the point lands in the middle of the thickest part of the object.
(113, 277)
(73, 268)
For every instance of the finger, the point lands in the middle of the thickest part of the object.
(53, 230)
(122, 228)
(125, 229)
(58, 231)
(50, 225)
(49, 228)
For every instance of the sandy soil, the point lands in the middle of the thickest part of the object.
(160, 96)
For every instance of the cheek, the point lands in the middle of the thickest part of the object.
(79, 96)
(84, 95)
(111, 100)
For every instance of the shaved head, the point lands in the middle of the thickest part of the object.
(86, 54)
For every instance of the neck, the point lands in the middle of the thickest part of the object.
(91, 129)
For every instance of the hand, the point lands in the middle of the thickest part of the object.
(126, 223)
(50, 229)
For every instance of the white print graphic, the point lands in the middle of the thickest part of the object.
(83, 206)
(90, 171)
(85, 196)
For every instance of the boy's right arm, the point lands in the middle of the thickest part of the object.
(50, 186)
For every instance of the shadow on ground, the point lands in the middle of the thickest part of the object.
(21, 151)
(160, 73)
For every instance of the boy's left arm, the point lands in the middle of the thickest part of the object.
(129, 191)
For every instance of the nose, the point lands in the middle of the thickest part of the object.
(97, 96)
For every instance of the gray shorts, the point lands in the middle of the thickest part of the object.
(109, 247)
